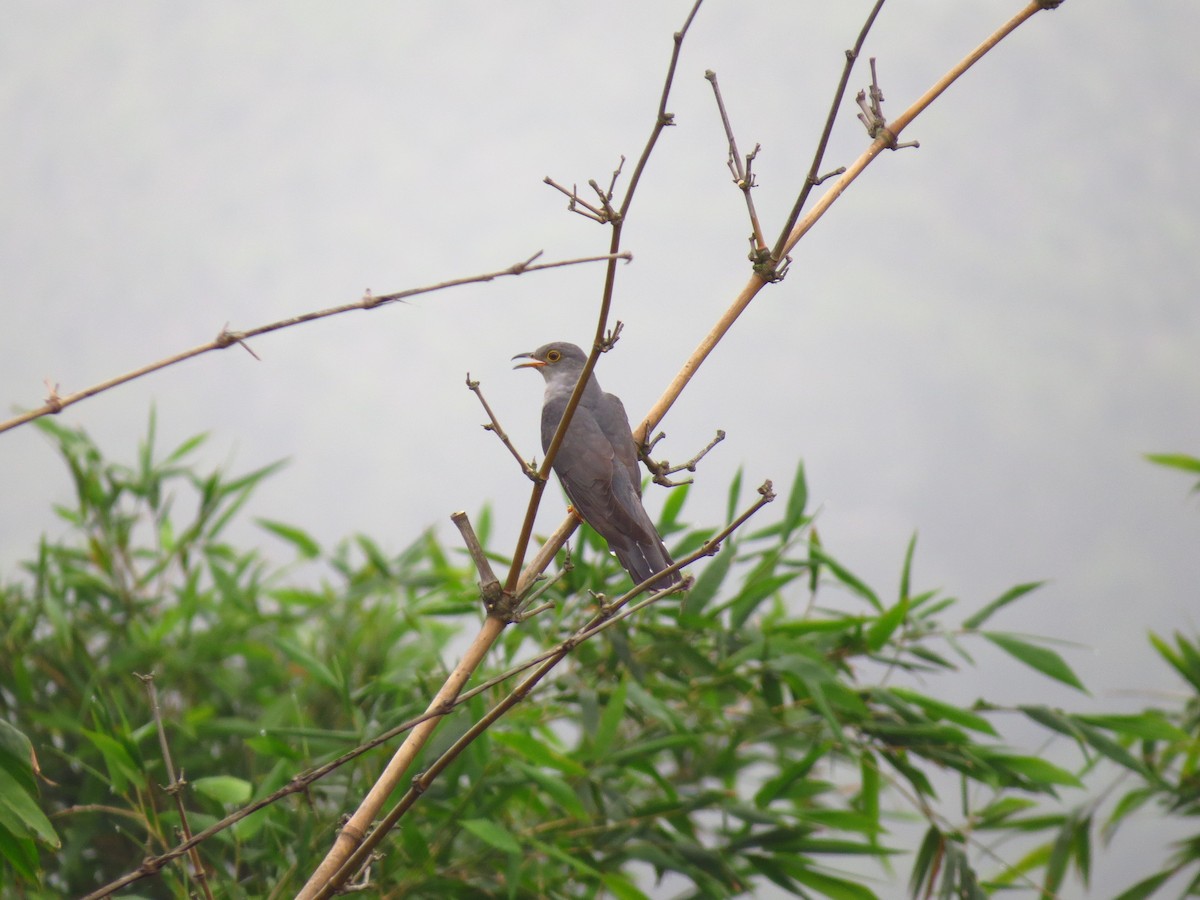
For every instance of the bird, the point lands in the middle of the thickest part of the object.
(597, 462)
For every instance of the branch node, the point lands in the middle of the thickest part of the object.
(53, 401)
(574, 201)
(227, 337)
(611, 338)
(661, 470)
(520, 267)
(609, 214)
(872, 115)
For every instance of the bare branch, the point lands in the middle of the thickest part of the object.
(529, 468)
(892, 131)
(778, 253)
(872, 113)
(612, 185)
(610, 214)
(352, 834)
(489, 584)
(588, 211)
(662, 469)
(175, 786)
(758, 280)
(664, 118)
(742, 176)
(55, 403)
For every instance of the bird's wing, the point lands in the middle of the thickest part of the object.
(611, 417)
(595, 469)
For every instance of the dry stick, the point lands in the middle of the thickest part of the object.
(352, 833)
(55, 404)
(495, 427)
(603, 619)
(742, 176)
(175, 785)
(892, 132)
(814, 178)
(331, 872)
(756, 282)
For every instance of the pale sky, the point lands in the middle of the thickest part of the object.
(978, 343)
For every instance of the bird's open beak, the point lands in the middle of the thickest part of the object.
(532, 364)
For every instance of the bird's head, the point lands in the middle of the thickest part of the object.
(549, 359)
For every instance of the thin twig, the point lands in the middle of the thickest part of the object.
(872, 115)
(742, 176)
(175, 786)
(811, 181)
(661, 470)
(892, 132)
(55, 403)
(758, 280)
(529, 468)
(588, 211)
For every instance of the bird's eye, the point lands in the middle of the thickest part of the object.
(553, 356)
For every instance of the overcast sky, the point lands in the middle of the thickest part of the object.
(978, 343)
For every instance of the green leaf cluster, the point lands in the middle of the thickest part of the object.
(778, 724)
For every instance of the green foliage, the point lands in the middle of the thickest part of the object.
(768, 727)
(261, 670)
(1189, 464)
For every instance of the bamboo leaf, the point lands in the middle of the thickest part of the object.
(844, 575)
(936, 709)
(305, 545)
(492, 834)
(885, 626)
(906, 570)
(797, 499)
(709, 580)
(928, 861)
(224, 789)
(1042, 659)
(20, 815)
(735, 496)
(1147, 886)
(1009, 596)
(610, 721)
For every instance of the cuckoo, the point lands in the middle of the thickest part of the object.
(597, 462)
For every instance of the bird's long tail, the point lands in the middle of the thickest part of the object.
(644, 559)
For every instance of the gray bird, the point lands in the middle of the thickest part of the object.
(597, 462)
